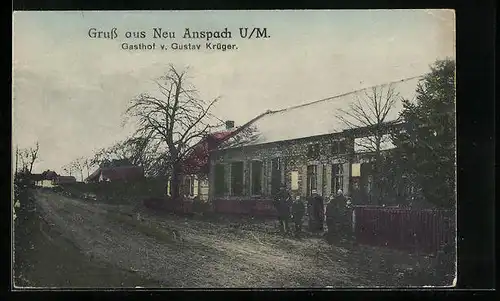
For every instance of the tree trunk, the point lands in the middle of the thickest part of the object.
(176, 182)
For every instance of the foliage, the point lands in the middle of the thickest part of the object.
(426, 146)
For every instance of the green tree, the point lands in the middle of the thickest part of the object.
(426, 146)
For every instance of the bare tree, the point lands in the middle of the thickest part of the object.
(87, 164)
(174, 121)
(100, 156)
(370, 115)
(33, 155)
(27, 157)
(248, 135)
(68, 169)
(78, 166)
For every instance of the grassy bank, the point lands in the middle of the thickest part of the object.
(144, 227)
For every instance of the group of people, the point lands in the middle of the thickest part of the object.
(336, 214)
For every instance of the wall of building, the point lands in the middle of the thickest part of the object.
(294, 159)
(200, 187)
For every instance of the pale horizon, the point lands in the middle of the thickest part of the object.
(70, 91)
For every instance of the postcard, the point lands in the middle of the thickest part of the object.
(234, 149)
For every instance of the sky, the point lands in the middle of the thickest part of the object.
(70, 91)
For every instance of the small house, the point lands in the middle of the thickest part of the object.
(116, 173)
(64, 180)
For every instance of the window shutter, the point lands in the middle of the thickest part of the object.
(303, 181)
(328, 179)
(195, 186)
(347, 176)
(319, 179)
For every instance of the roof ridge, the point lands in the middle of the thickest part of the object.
(269, 112)
(344, 94)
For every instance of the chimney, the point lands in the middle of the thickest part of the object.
(229, 125)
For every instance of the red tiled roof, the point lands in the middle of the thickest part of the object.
(197, 160)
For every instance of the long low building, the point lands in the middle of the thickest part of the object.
(306, 147)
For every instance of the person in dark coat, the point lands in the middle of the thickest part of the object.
(337, 214)
(316, 212)
(330, 217)
(298, 211)
(282, 203)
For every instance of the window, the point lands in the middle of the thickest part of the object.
(220, 181)
(313, 151)
(312, 180)
(237, 178)
(337, 177)
(339, 147)
(168, 187)
(188, 186)
(294, 179)
(276, 162)
(356, 170)
(256, 177)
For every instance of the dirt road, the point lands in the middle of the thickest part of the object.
(183, 252)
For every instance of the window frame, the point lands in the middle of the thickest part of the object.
(337, 177)
(339, 147)
(260, 179)
(220, 191)
(232, 180)
(312, 170)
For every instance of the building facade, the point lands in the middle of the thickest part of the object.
(322, 164)
(309, 147)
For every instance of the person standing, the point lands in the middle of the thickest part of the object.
(316, 212)
(342, 215)
(330, 217)
(298, 211)
(282, 203)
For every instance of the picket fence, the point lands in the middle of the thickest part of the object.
(426, 231)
